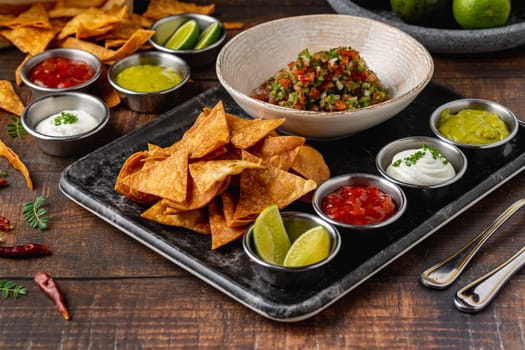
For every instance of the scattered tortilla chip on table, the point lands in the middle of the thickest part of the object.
(161, 8)
(9, 99)
(36, 17)
(15, 162)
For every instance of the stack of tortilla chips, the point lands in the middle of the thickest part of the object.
(221, 174)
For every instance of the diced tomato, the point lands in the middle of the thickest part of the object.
(358, 205)
(60, 72)
(339, 105)
(314, 93)
(286, 83)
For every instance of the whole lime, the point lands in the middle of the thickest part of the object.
(479, 14)
(432, 13)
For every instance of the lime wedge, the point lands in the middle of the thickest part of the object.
(185, 37)
(310, 248)
(209, 36)
(270, 237)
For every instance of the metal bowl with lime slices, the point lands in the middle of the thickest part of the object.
(296, 223)
(196, 38)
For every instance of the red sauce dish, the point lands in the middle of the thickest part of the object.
(359, 201)
(61, 72)
(358, 205)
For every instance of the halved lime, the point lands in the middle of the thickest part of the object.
(209, 36)
(310, 248)
(270, 237)
(185, 37)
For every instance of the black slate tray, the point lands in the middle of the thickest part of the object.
(89, 182)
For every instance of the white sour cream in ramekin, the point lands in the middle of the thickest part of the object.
(56, 125)
(421, 167)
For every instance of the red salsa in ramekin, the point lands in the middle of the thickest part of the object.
(61, 72)
(358, 205)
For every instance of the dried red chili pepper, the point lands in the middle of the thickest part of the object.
(5, 224)
(50, 288)
(30, 250)
(3, 182)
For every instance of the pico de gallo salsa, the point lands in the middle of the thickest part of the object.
(334, 80)
(60, 73)
(358, 205)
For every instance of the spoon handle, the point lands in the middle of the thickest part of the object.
(478, 294)
(443, 274)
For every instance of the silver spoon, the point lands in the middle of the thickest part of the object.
(443, 274)
(478, 294)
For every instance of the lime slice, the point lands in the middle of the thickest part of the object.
(185, 37)
(209, 36)
(310, 248)
(270, 237)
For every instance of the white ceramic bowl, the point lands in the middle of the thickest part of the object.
(403, 65)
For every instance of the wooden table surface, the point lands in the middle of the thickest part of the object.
(123, 295)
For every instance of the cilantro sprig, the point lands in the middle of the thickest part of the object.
(16, 129)
(8, 288)
(65, 118)
(414, 157)
(34, 213)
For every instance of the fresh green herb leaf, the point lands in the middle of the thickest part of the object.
(65, 118)
(34, 213)
(436, 154)
(414, 157)
(8, 288)
(16, 129)
(3, 173)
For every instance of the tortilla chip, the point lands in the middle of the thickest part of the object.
(133, 44)
(15, 162)
(208, 133)
(206, 173)
(233, 25)
(161, 8)
(195, 199)
(133, 164)
(221, 233)
(310, 164)
(30, 39)
(271, 146)
(110, 4)
(106, 91)
(262, 187)
(167, 179)
(9, 99)
(95, 49)
(247, 132)
(91, 22)
(79, 3)
(35, 17)
(229, 203)
(61, 12)
(195, 220)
